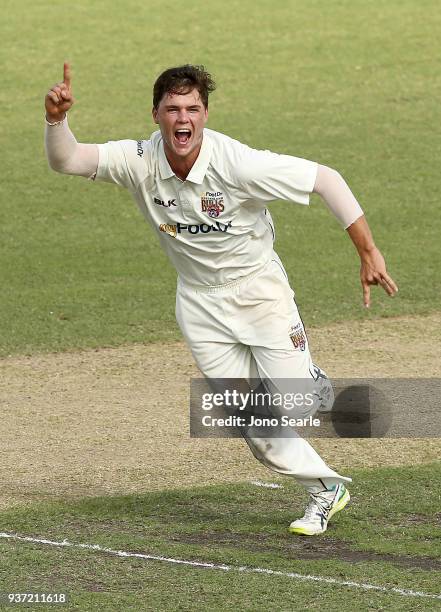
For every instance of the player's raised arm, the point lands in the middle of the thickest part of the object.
(63, 152)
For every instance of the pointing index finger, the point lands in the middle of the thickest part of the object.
(366, 295)
(67, 74)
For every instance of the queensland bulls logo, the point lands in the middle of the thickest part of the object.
(212, 203)
(298, 337)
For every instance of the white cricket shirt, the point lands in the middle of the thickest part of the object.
(214, 226)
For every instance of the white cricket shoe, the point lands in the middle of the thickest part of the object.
(321, 507)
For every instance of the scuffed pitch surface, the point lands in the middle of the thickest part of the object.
(115, 421)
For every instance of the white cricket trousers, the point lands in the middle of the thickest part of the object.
(242, 330)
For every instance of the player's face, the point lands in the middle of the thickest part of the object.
(181, 118)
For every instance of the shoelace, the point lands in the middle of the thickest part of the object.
(318, 504)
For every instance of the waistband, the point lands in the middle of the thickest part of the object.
(227, 286)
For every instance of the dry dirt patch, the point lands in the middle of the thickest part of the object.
(304, 548)
(115, 421)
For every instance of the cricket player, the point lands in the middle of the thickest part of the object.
(206, 197)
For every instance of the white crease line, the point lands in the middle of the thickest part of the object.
(254, 570)
(268, 485)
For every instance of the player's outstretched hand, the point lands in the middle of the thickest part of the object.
(373, 272)
(59, 98)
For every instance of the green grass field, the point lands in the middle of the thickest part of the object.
(354, 85)
(351, 84)
(236, 525)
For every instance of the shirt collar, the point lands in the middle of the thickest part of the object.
(200, 167)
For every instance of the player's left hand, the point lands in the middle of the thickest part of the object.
(373, 272)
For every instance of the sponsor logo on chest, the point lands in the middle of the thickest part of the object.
(212, 203)
(173, 229)
(167, 204)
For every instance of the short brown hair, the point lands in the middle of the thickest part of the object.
(181, 80)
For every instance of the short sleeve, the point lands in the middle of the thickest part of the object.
(268, 176)
(124, 162)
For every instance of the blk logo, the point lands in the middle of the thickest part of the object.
(162, 203)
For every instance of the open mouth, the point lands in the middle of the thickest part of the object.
(183, 136)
